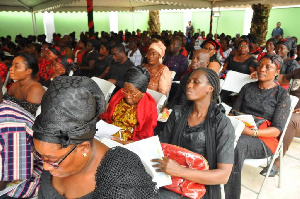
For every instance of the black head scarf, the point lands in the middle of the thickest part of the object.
(284, 42)
(70, 110)
(139, 77)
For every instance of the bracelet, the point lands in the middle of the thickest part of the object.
(255, 133)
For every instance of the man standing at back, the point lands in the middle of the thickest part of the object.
(119, 68)
(277, 30)
(16, 160)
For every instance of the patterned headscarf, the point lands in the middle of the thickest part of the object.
(70, 110)
(67, 63)
(160, 48)
(57, 50)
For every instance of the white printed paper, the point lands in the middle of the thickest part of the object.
(105, 130)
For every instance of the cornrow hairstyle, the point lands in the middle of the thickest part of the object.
(275, 59)
(213, 80)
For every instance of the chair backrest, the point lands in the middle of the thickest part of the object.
(106, 87)
(173, 73)
(234, 81)
(238, 128)
(159, 98)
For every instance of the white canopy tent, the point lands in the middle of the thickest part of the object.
(129, 5)
(35, 6)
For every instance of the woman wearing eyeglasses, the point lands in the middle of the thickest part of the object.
(241, 61)
(160, 76)
(212, 46)
(132, 109)
(75, 164)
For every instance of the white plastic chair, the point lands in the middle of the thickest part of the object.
(159, 99)
(234, 81)
(173, 73)
(106, 87)
(278, 152)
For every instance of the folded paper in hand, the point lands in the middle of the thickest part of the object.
(105, 130)
(248, 120)
(146, 149)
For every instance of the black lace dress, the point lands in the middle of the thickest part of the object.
(30, 107)
(121, 174)
(242, 67)
(289, 66)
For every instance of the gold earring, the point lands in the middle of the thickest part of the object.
(84, 154)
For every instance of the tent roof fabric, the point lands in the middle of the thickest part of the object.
(129, 5)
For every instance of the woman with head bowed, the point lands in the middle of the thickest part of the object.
(25, 91)
(75, 164)
(160, 80)
(132, 108)
(201, 127)
(269, 101)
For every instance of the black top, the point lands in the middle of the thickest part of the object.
(289, 66)
(180, 96)
(194, 137)
(272, 104)
(30, 107)
(295, 85)
(86, 58)
(117, 71)
(100, 66)
(242, 67)
(214, 59)
(121, 174)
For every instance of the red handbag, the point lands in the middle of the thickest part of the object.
(190, 160)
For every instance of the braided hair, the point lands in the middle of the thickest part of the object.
(213, 80)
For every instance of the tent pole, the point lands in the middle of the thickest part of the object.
(211, 18)
(90, 18)
(34, 22)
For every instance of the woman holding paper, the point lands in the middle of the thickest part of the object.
(265, 99)
(75, 164)
(132, 108)
(201, 127)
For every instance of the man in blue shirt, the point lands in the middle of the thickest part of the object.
(277, 30)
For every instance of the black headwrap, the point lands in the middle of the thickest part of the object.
(67, 63)
(284, 42)
(70, 110)
(95, 43)
(139, 77)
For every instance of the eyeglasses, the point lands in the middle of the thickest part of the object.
(54, 164)
(243, 46)
(133, 95)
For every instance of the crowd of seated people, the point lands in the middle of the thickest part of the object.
(135, 62)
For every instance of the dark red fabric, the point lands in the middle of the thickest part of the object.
(45, 74)
(3, 71)
(146, 115)
(271, 142)
(184, 52)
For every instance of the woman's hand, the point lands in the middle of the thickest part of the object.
(120, 141)
(297, 110)
(248, 131)
(169, 166)
(253, 75)
(164, 110)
